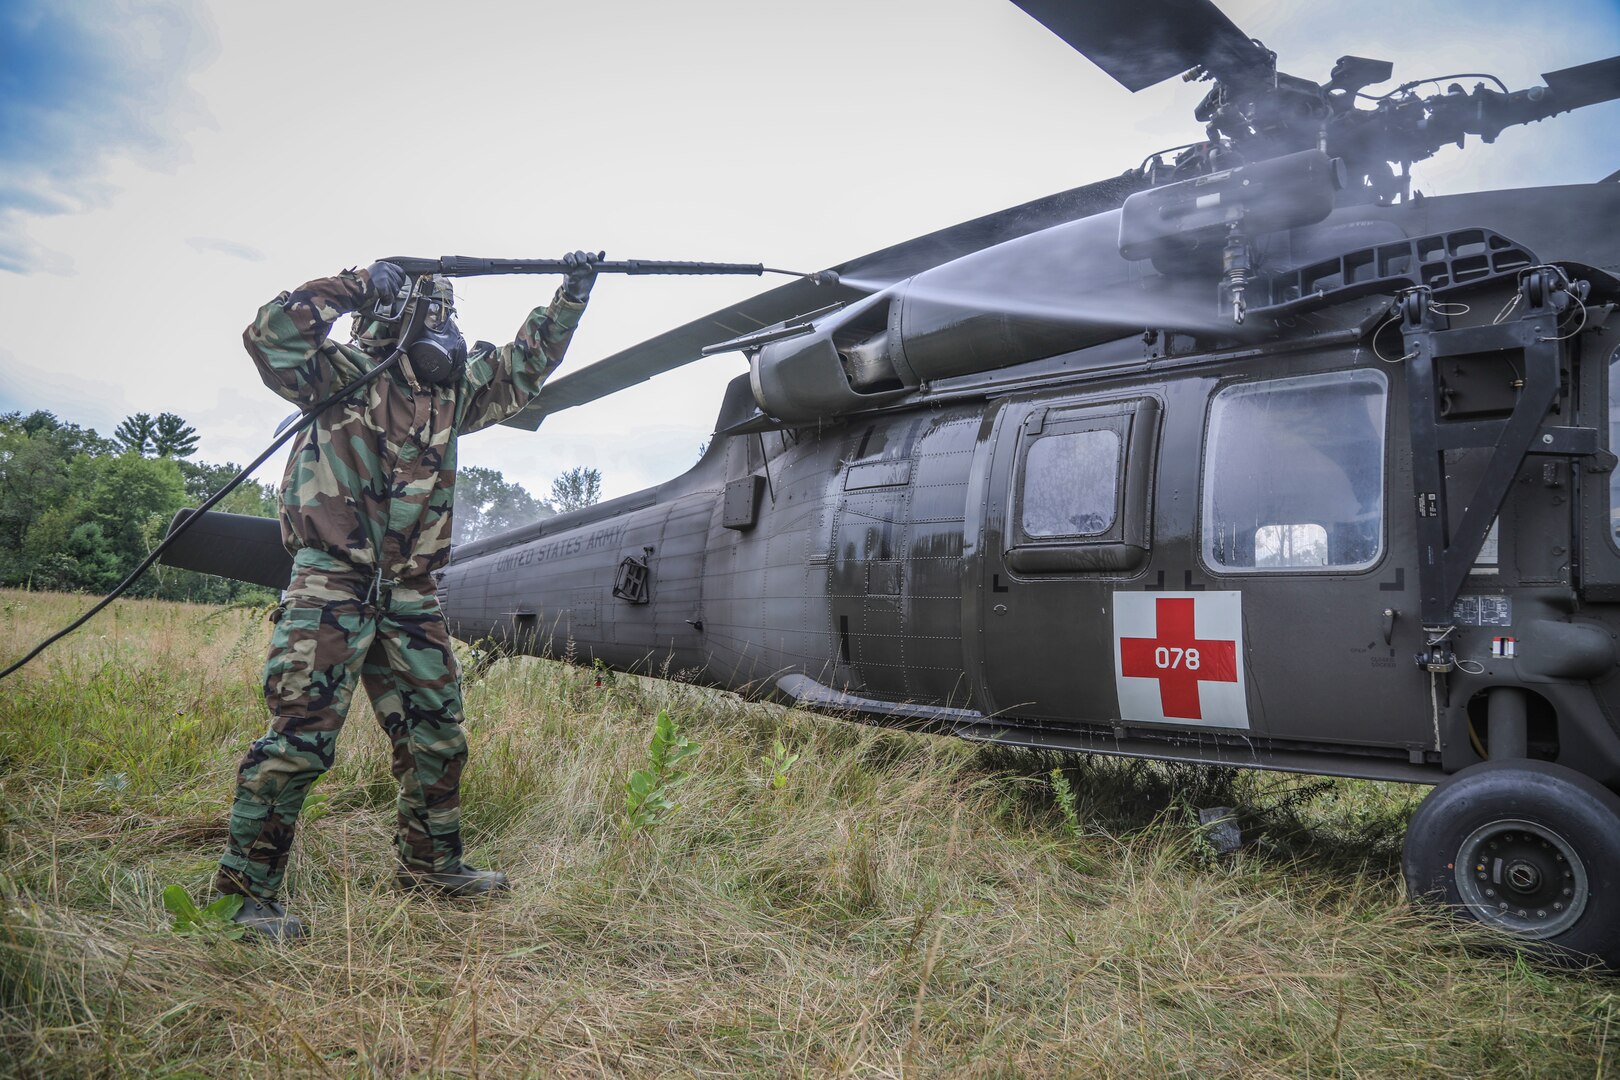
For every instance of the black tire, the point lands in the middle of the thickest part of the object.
(1527, 847)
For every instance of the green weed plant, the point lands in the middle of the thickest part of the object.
(647, 791)
(214, 920)
(1068, 805)
(777, 763)
(317, 804)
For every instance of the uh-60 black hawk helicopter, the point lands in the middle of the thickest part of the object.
(1267, 461)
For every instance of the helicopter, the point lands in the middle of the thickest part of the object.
(1254, 457)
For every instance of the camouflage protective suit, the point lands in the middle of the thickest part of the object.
(366, 512)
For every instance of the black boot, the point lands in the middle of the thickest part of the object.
(268, 919)
(464, 882)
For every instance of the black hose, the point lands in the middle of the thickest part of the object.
(196, 515)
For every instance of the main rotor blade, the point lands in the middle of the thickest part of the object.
(1142, 42)
(1586, 84)
(684, 344)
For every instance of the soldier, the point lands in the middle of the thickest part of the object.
(366, 512)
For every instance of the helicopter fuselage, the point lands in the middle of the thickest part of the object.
(1173, 541)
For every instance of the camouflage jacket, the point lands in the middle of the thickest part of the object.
(372, 481)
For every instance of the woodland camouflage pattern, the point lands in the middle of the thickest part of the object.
(366, 511)
(372, 480)
(328, 637)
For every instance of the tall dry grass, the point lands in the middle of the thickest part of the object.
(904, 905)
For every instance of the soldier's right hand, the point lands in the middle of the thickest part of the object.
(386, 279)
(581, 274)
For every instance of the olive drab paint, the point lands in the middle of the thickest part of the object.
(917, 561)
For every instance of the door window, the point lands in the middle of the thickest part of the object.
(1080, 500)
(1294, 474)
(1071, 484)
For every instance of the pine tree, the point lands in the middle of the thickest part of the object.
(174, 438)
(136, 433)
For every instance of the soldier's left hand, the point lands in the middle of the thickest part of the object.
(581, 274)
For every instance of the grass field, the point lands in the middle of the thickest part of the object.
(901, 905)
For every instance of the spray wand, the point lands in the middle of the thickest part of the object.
(466, 266)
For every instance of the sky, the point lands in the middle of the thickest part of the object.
(167, 166)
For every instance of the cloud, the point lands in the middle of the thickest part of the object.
(206, 244)
(20, 255)
(80, 85)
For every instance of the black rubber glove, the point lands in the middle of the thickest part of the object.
(581, 274)
(386, 280)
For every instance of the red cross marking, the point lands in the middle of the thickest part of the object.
(1178, 658)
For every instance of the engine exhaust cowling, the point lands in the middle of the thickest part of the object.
(1036, 296)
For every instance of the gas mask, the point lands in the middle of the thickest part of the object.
(438, 353)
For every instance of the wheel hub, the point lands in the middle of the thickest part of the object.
(1522, 877)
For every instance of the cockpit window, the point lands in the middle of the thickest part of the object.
(1294, 474)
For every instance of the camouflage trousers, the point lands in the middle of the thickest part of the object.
(338, 626)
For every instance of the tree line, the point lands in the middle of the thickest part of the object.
(78, 510)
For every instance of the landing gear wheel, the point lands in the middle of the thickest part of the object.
(1527, 847)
